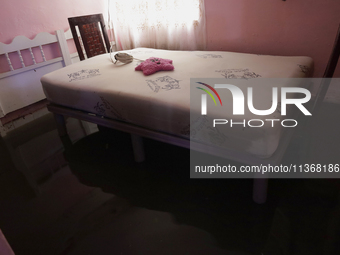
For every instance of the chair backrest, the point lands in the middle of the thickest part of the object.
(93, 35)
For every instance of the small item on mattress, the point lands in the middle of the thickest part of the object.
(152, 65)
(123, 57)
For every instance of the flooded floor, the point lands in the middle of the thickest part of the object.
(102, 202)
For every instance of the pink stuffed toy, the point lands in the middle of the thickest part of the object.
(152, 65)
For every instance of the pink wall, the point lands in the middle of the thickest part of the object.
(22, 17)
(28, 18)
(291, 27)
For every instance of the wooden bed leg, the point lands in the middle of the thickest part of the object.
(61, 124)
(260, 190)
(138, 148)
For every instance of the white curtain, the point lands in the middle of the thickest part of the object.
(160, 24)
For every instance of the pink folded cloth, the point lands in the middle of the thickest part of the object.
(152, 65)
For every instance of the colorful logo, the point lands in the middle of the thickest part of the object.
(208, 92)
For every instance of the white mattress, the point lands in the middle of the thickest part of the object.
(161, 101)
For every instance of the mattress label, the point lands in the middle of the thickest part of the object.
(164, 83)
(83, 74)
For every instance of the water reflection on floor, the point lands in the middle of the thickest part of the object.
(104, 202)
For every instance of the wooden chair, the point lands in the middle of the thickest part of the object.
(93, 35)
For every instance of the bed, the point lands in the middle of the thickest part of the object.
(23, 62)
(22, 101)
(158, 106)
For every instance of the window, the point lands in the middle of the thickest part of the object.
(167, 24)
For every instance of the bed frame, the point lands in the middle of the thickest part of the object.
(20, 88)
(22, 100)
(137, 134)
